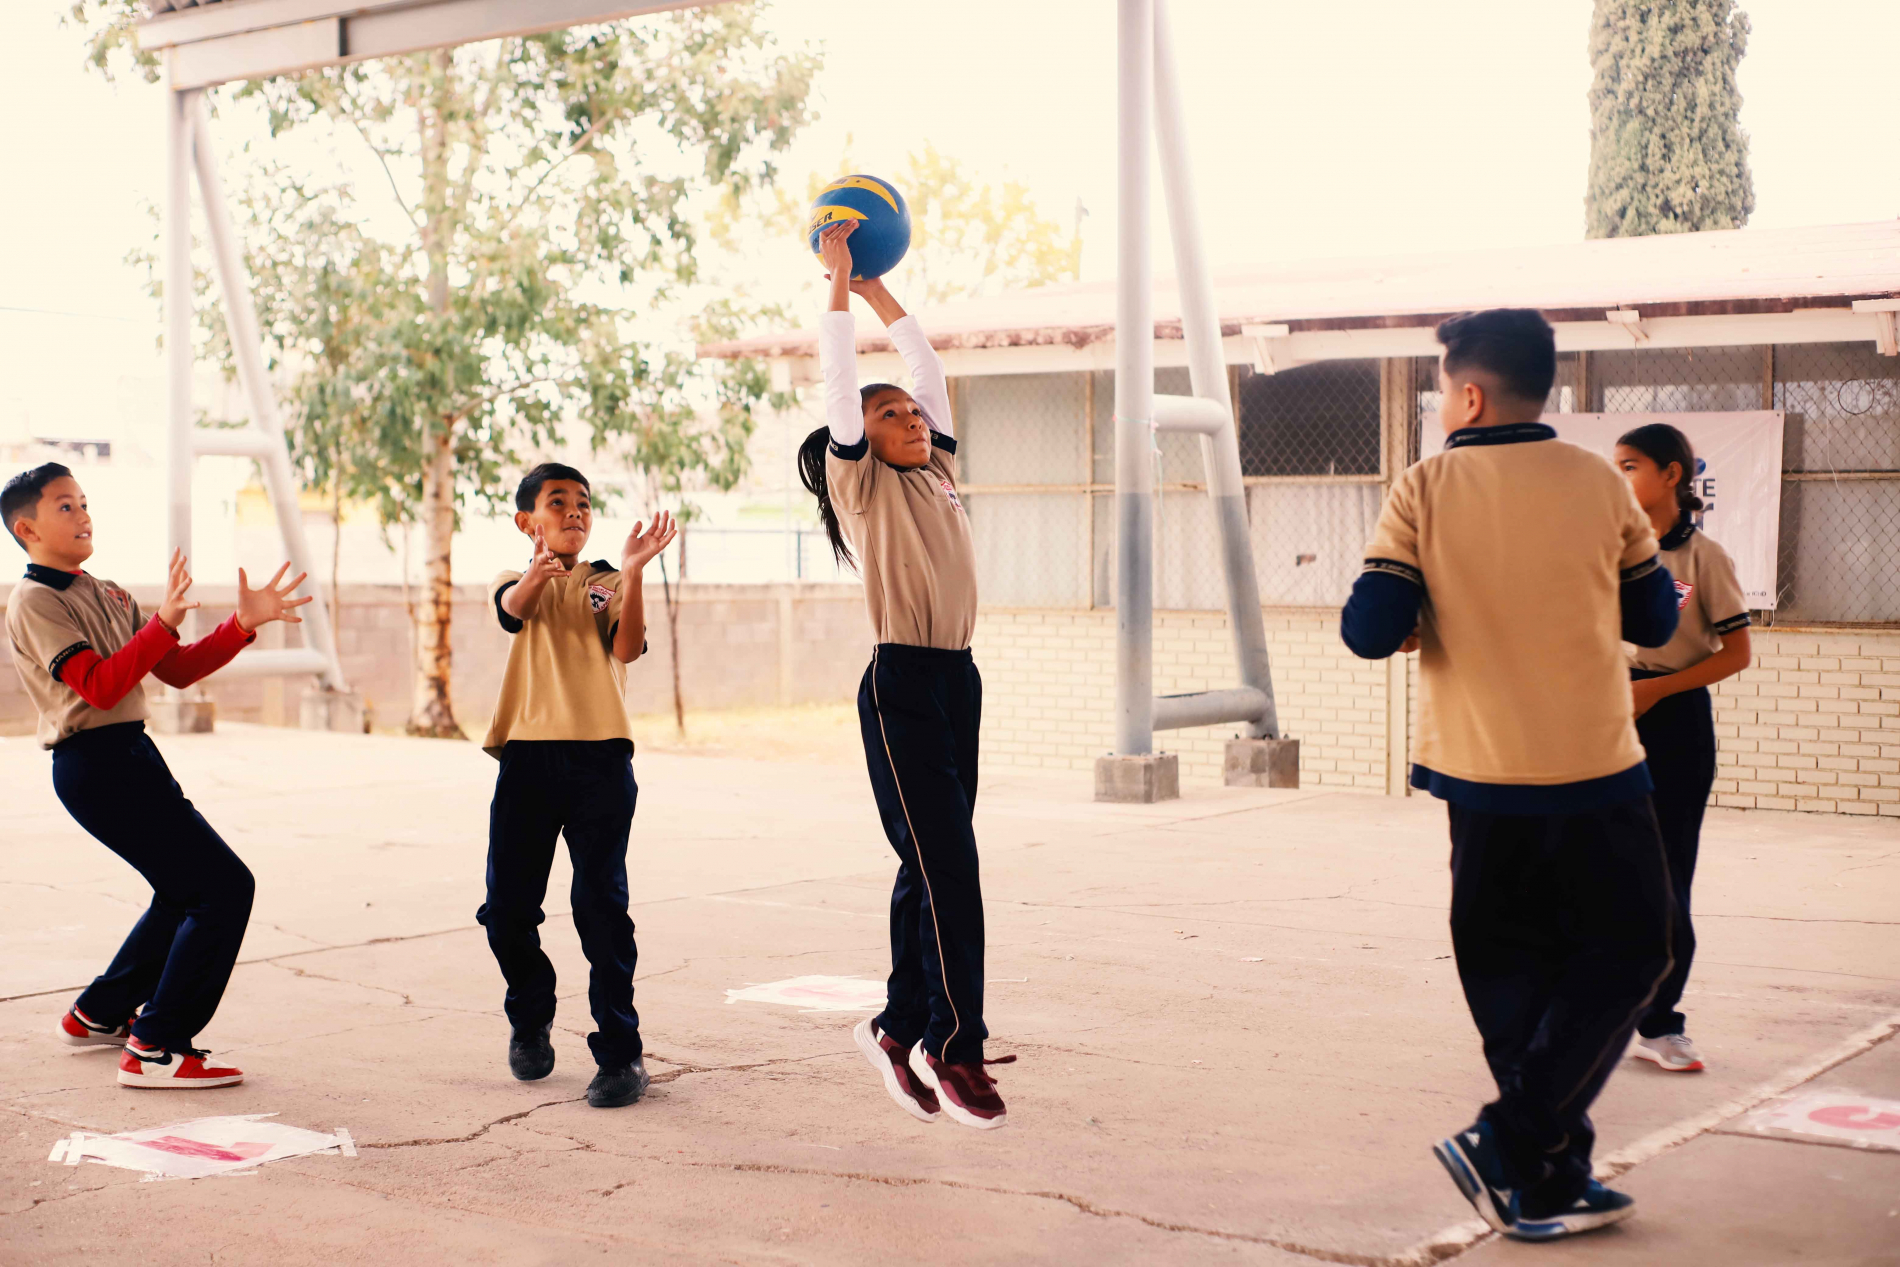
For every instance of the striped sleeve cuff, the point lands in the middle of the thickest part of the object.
(1733, 623)
(1392, 567)
(1640, 570)
(59, 661)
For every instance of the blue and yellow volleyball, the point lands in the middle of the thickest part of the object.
(883, 232)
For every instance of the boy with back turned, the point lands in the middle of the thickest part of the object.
(560, 733)
(1517, 564)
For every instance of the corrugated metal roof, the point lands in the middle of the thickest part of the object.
(1745, 270)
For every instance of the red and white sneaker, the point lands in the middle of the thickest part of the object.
(887, 1056)
(967, 1093)
(77, 1029)
(181, 1070)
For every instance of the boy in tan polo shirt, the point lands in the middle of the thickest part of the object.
(560, 732)
(1517, 565)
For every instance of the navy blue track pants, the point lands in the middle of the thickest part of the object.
(177, 960)
(1561, 927)
(920, 709)
(585, 792)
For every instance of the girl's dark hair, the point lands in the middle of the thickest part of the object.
(811, 473)
(1663, 444)
(871, 389)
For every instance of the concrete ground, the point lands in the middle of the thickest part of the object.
(1239, 1028)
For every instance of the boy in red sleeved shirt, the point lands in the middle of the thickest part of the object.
(83, 649)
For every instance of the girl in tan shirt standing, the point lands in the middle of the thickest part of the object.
(884, 472)
(1671, 688)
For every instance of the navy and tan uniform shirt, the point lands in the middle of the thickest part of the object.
(907, 526)
(60, 621)
(1523, 562)
(1708, 596)
(562, 681)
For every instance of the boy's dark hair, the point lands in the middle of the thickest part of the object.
(21, 497)
(811, 473)
(531, 483)
(1515, 344)
(1663, 444)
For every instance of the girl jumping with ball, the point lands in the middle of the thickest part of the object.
(884, 473)
(1671, 688)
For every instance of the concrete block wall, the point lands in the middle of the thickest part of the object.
(1049, 691)
(740, 646)
(1814, 725)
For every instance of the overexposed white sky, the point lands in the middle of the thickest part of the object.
(1369, 126)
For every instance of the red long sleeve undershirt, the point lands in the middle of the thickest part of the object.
(102, 681)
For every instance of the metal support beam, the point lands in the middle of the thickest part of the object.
(180, 107)
(1150, 104)
(1134, 387)
(266, 436)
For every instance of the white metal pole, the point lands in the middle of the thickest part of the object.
(1207, 370)
(178, 359)
(1134, 388)
(247, 347)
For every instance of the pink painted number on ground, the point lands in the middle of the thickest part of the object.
(1856, 1117)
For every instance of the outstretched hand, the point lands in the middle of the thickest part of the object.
(546, 565)
(172, 611)
(269, 601)
(643, 543)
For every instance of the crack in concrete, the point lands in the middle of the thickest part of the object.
(1082, 1204)
(53, 1200)
(477, 1133)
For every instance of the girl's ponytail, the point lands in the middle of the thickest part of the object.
(811, 473)
(1663, 444)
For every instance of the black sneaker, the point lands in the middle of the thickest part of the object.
(1472, 1159)
(619, 1085)
(530, 1054)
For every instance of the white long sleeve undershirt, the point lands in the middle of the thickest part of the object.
(838, 361)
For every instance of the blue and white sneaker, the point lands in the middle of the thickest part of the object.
(1472, 1159)
(1597, 1207)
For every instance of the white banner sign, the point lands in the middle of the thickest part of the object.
(1738, 477)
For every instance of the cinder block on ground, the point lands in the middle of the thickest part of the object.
(181, 716)
(1262, 763)
(340, 711)
(1140, 780)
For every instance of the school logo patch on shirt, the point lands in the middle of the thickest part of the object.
(949, 490)
(1683, 590)
(125, 599)
(598, 596)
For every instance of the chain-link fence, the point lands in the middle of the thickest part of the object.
(1038, 465)
(1037, 460)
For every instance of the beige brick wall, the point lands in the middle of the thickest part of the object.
(1049, 691)
(1814, 725)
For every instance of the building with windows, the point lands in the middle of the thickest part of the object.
(1334, 377)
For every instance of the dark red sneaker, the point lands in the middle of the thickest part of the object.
(967, 1093)
(80, 1030)
(887, 1057)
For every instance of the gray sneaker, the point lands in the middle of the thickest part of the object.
(1673, 1052)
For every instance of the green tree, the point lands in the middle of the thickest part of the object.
(541, 193)
(1667, 150)
(968, 237)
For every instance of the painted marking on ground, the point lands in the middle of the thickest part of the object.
(815, 994)
(1836, 1116)
(201, 1148)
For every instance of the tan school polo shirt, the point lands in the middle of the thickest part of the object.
(1521, 543)
(1709, 600)
(912, 540)
(562, 680)
(51, 620)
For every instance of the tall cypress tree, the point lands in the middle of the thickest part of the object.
(1667, 150)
